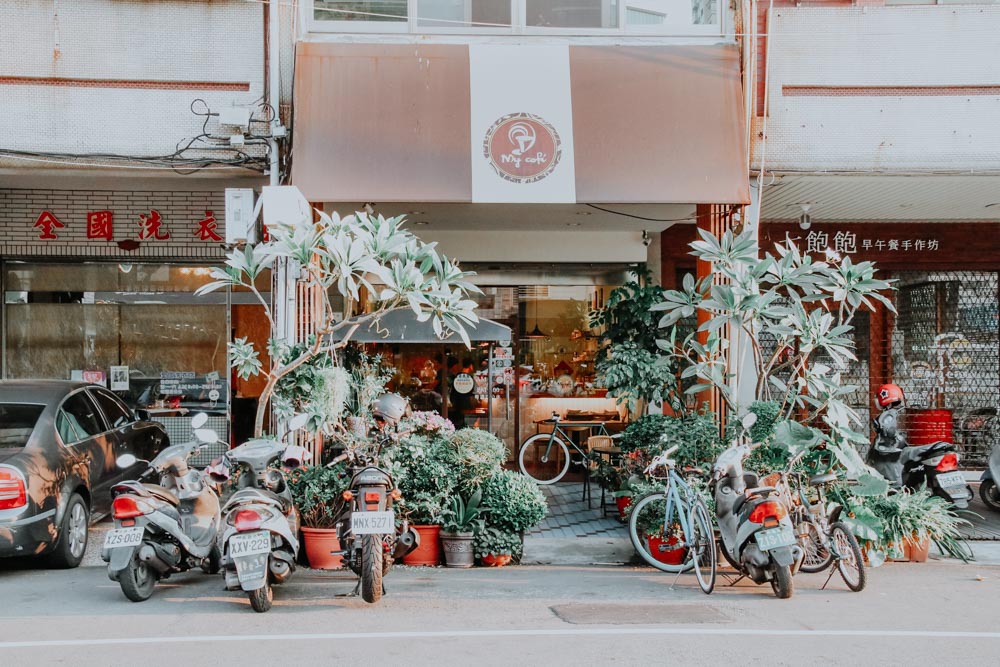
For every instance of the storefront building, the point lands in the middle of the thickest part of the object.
(546, 145)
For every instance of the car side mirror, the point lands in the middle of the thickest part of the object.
(142, 415)
(126, 461)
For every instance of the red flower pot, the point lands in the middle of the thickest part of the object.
(319, 543)
(429, 551)
(661, 549)
(623, 502)
(499, 560)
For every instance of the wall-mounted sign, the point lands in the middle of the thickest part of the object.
(119, 378)
(522, 148)
(151, 227)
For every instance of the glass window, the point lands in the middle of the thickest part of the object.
(572, 13)
(67, 431)
(82, 415)
(366, 10)
(463, 13)
(17, 421)
(114, 411)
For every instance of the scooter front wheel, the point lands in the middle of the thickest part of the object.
(262, 598)
(137, 580)
(990, 494)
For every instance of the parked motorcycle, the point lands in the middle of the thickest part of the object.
(366, 522)
(912, 466)
(756, 532)
(988, 489)
(259, 539)
(167, 527)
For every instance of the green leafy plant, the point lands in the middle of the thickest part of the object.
(316, 491)
(696, 434)
(497, 542)
(515, 501)
(423, 475)
(345, 255)
(476, 455)
(464, 516)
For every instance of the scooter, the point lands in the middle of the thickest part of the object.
(912, 466)
(260, 523)
(163, 528)
(988, 489)
(757, 536)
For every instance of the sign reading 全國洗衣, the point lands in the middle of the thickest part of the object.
(149, 226)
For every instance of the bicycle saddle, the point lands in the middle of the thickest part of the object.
(816, 480)
(694, 469)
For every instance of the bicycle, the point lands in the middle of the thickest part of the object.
(545, 457)
(823, 540)
(677, 527)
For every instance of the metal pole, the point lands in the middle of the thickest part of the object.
(489, 392)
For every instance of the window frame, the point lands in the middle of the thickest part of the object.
(82, 391)
(96, 392)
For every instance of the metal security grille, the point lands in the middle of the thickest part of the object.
(944, 353)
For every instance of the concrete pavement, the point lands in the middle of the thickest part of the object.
(937, 611)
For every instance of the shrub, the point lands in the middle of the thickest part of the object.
(430, 424)
(496, 542)
(515, 501)
(418, 465)
(697, 436)
(316, 492)
(476, 455)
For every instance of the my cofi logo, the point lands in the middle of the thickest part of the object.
(522, 148)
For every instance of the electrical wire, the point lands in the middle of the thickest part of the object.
(690, 218)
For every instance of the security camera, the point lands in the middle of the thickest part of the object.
(645, 238)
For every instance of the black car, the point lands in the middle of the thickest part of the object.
(59, 441)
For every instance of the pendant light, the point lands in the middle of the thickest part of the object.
(536, 333)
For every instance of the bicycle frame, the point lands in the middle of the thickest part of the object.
(558, 431)
(673, 496)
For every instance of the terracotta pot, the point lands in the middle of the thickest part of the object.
(429, 551)
(661, 551)
(319, 543)
(499, 560)
(458, 551)
(917, 551)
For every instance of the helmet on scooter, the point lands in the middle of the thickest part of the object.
(889, 396)
(389, 408)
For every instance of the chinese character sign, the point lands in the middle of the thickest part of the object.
(150, 227)
(206, 228)
(48, 223)
(99, 225)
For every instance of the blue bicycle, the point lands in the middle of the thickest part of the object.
(671, 529)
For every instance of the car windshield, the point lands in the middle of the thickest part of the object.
(17, 421)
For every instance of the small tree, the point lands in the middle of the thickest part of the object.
(347, 254)
(804, 307)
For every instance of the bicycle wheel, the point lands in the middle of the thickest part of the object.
(850, 562)
(542, 463)
(656, 537)
(817, 556)
(703, 552)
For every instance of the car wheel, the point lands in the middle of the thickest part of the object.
(71, 541)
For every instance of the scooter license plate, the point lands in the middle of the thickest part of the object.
(772, 538)
(249, 544)
(251, 568)
(950, 480)
(123, 537)
(372, 523)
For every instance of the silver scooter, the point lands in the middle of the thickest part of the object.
(259, 540)
(989, 490)
(757, 536)
(163, 528)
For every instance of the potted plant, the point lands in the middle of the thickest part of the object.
(459, 524)
(495, 547)
(316, 491)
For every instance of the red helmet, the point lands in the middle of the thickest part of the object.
(889, 395)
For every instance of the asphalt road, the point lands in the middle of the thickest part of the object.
(929, 613)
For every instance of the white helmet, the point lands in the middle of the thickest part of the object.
(390, 408)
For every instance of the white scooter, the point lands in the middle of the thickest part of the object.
(756, 533)
(259, 540)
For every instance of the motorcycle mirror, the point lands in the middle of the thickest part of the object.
(298, 421)
(206, 435)
(199, 420)
(125, 461)
(749, 420)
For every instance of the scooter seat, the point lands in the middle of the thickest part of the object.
(162, 493)
(816, 480)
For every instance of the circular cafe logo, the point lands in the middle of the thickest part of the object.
(522, 148)
(463, 383)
